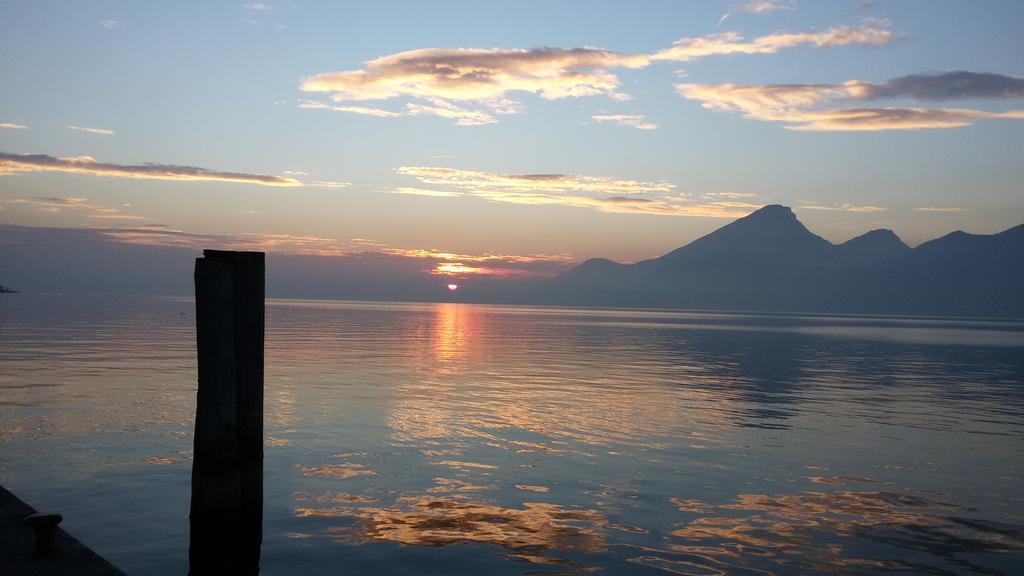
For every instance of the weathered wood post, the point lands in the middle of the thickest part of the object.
(226, 517)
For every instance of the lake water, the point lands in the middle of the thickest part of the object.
(466, 439)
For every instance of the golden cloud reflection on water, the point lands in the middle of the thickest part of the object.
(429, 521)
(337, 471)
(826, 531)
(451, 512)
(808, 532)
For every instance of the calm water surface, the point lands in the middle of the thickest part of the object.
(450, 438)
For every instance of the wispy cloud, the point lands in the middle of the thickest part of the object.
(842, 208)
(730, 195)
(547, 183)
(364, 110)
(813, 106)
(109, 24)
(941, 209)
(257, 7)
(436, 107)
(13, 126)
(81, 206)
(446, 109)
(442, 78)
(874, 33)
(329, 184)
(610, 195)
(413, 191)
(635, 121)
(283, 243)
(101, 131)
(20, 163)
(758, 7)
(478, 74)
(763, 6)
(473, 86)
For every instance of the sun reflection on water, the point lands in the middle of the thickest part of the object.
(454, 333)
(574, 440)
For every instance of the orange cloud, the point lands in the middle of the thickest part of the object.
(471, 85)
(13, 126)
(18, 163)
(478, 74)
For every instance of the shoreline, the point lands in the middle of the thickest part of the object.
(70, 557)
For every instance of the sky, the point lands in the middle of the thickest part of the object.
(494, 138)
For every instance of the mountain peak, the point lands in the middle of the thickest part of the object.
(874, 246)
(771, 234)
(772, 211)
(879, 233)
(772, 220)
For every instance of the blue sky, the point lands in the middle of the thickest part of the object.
(631, 171)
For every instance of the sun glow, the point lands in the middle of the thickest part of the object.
(457, 268)
(453, 287)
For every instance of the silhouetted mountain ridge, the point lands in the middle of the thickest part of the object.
(769, 260)
(770, 235)
(874, 246)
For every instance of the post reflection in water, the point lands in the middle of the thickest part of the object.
(441, 438)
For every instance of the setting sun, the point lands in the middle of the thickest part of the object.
(453, 287)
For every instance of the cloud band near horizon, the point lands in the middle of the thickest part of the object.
(430, 261)
(21, 163)
(610, 195)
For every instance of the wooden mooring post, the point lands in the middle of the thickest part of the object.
(226, 517)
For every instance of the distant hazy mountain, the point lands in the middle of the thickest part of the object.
(875, 246)
(69, 261)
(769, 261)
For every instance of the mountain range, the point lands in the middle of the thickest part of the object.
(769, 261)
